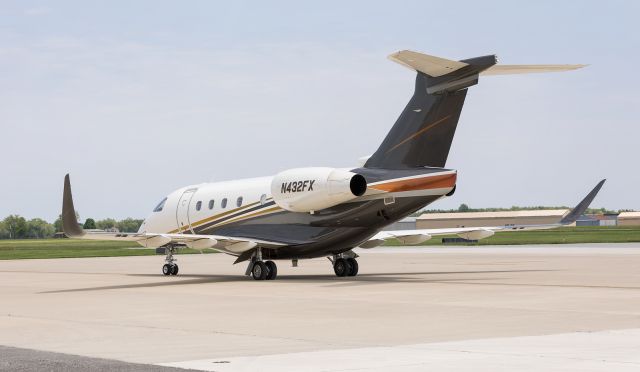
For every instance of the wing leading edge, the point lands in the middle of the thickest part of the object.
(476, 233)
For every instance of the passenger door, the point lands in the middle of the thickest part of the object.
(182, 211)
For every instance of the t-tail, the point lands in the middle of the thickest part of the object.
(422, 135)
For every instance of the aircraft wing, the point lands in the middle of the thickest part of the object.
(227, 244)
(476, 233)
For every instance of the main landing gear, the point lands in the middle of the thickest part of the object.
(344, 266)
(170, 267)
(261, 270)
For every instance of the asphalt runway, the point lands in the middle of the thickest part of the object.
(564, 307)
(19, 360)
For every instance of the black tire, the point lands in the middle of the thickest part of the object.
(259, 271)
(174, 270)
(341, 267)
(272, 270)
(166, 269)
(354, 266)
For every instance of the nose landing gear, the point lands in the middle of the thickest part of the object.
(170, 267)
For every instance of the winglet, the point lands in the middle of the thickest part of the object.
(69, 221)
(582, 206)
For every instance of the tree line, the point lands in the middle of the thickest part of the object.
(18, 227)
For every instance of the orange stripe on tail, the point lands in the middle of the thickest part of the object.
(423, 183)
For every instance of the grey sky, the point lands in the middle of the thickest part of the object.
(135, 100)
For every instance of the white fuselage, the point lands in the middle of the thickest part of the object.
(188, 206)
(291, 207)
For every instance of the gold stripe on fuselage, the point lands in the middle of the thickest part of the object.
(212, 218)
(246, 217)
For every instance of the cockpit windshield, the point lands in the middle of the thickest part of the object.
(160, 205)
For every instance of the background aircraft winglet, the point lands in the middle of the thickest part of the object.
(579, 209)
(69, 220)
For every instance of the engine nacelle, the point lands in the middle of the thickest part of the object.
(313, 189)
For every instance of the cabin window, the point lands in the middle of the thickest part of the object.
(198, 205)
(263, 199)
(211, 202)
(239, 201)
(160, 205)
(223, 203)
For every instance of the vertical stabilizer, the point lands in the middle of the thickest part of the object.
(422, 135)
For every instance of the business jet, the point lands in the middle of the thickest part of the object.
(315, 212)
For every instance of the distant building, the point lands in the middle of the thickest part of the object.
(606, 219)
(629, 219)
(407, 223)
(587, 220)
(476, 219)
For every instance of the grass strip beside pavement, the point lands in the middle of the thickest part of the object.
(72, 248)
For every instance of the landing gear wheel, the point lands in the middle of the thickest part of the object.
(170, 267)
(166, 269)
(272, 270)
(259, 271)
(354, 266)
(341, 267)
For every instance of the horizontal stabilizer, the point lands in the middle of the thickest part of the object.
(428, 65)
(527, 69)
(436, 66)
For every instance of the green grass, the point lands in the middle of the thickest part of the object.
(565, 235)
(66, 248)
